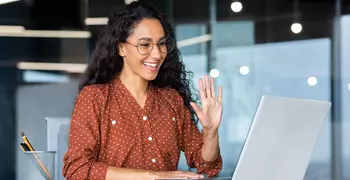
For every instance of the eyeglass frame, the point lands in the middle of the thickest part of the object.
(149, 39)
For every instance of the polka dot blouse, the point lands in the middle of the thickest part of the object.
(109, 128)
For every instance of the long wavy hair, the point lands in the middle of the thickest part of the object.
(106, 63)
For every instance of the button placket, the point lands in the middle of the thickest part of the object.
(147, 128)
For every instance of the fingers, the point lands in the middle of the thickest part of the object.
(178, 175)
(220, 94)
(207, 86)
(190, 175)
(212, 87)
(193, 175)
(202, 90)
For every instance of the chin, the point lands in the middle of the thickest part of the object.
(149, 77)
(149, 71)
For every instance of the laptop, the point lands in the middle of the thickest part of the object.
(281, 139)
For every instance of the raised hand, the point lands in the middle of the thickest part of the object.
(210, 113)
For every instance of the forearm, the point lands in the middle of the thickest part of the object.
(210, 149)
(115, 173)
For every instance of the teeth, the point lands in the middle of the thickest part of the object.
(150, 64)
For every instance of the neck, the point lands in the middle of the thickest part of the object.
(137, 86)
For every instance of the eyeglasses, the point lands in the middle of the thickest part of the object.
(145, 45)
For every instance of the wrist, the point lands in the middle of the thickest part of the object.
(210, 132)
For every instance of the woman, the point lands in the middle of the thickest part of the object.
(134, 113)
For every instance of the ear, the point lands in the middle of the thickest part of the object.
(122, 49)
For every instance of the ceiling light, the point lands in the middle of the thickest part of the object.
(96, 21)
(194, 40)
(244, 70)
(7, 1)
(44, 33)
(214, 73)
(128, 1)
(68, 67)
(12, 29)
(312, 81)
(236, 6)
(296, 28)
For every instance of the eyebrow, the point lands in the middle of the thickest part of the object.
(147, 38)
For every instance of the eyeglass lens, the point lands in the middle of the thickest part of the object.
(145, 46)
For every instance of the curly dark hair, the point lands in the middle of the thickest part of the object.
(106, 63)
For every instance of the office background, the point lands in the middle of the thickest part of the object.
(294, 48)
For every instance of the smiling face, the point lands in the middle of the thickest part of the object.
(145, 50)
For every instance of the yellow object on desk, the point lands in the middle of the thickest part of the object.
(26, 146)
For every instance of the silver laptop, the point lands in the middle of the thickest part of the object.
(281, 139)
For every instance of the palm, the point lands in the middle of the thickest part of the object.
(210, 113)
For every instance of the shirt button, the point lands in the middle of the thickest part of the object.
(174, 118)
(144, 118)
(153, 160)
(150, 138)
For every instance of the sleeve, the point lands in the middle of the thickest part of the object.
(80, 160)
(192, 146)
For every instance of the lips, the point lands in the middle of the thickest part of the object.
(149, 64)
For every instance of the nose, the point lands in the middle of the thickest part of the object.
(155, 53)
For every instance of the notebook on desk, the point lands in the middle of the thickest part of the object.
(281, 139)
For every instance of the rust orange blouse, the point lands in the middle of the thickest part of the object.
(109, 128)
